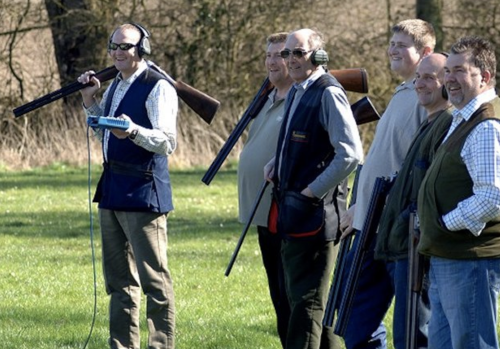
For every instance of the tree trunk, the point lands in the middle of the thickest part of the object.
(79, 42)
(431, 11)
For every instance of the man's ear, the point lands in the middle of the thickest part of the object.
(485, 77)
(426, 51)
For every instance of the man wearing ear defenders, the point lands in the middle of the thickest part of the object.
(134, 191)
(318, 147)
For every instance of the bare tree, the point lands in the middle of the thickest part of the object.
(79, 36)
(431, 11)
(214, 45)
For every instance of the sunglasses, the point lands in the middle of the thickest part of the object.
(296, 53)
(124, 47)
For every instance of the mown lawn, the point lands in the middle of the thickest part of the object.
(46, 264)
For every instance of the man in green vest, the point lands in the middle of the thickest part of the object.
(411, 41)
(459, 206)
(392, 235)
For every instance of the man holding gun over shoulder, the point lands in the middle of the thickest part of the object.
(134, 192)
(259, 148)
(318, 147)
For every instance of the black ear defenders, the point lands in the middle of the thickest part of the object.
(444, 93)
(319, 57)
(143, 46)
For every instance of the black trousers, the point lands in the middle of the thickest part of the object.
(270, 247)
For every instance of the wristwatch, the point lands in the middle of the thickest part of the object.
(133, 134)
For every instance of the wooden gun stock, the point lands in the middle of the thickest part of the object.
(364, 111)
(352, 79)
(201, 103)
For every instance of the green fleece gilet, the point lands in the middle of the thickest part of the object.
(447, 183)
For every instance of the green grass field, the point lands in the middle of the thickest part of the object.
(46, 265)
(46, 272)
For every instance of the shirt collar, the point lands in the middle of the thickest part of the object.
(142, 67)
(272, 95)
(406, 85)
(469, 109)
(310, 80)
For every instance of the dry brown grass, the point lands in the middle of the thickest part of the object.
(356, 33)
(36, 139)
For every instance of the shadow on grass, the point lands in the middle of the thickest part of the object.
(47, 224)
(73, 224)
(42, 213)
(79, 178)
(46, 178)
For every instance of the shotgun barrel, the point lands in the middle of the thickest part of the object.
(251, 112)
(247, 226)
(361, 247)
(103, 75)
(345, 246)
(352, 79)
(415, 279)
(201, 103)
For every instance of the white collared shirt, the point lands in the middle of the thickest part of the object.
(481, 156)
(161, 105)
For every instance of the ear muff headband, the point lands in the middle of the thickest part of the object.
(143, 47)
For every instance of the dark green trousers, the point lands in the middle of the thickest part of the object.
(308, 266)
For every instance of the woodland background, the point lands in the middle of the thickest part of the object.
(216, 46)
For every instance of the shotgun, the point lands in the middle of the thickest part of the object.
(201, 103)
(247, 226)
(352, 79)
(345, 245)
(251, 112)
(366, 236)
(415, 277)
(364, 111)
(103, 75)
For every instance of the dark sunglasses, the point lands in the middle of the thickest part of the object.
(296, 53)
(124, 47)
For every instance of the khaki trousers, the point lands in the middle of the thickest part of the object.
(134, 254)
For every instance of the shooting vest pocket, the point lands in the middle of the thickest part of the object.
(296, 216)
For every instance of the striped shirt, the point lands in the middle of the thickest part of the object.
(161, 105)
(481, 156)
